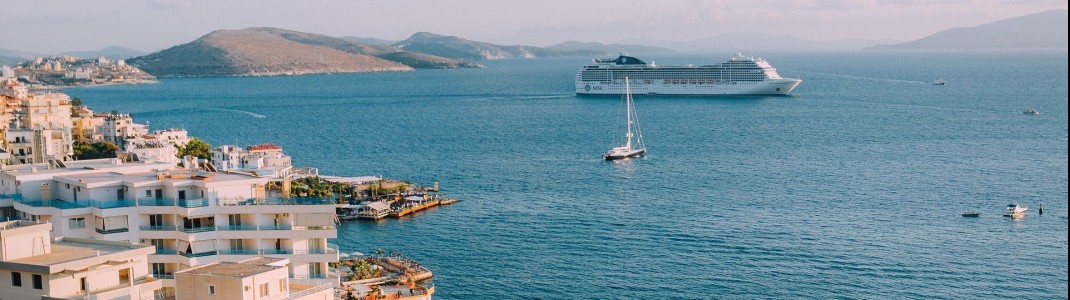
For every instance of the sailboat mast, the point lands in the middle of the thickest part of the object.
(628, 107)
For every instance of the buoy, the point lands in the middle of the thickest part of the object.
(1042, 208)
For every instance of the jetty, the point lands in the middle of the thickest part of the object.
(384, 277)
(401, 198)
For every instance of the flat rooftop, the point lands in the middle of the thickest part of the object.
(108, 178)
(230, 269)
(68, 250)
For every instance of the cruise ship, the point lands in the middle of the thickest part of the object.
(740, 75)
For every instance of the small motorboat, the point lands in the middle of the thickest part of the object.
(1031, 111)
(971, 214)
(939, 82)
(1015, 211)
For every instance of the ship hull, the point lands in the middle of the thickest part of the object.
(766, 87)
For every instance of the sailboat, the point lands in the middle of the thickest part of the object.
(629, 149)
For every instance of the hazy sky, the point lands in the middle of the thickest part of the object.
(51, 26)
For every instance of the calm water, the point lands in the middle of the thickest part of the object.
(850, 188)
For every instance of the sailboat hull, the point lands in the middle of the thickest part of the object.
(613, 155)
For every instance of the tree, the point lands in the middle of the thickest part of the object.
(98, 149)
(196, 147)
(75, 102)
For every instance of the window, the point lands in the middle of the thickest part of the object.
(282, 284)
(16, 279)
(148, 193)
(84, 284)
(37, 282)
(263, 289)
(75, 223)
(211, 290)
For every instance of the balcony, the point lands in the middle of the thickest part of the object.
(60, 204)
(164, 275)
(197, 229)
(276, 227)
(277, 251)
(239, 252)
(156, 202)
(235, 227)
(110, 231)
(159, 228)
(112, 203)
(191, 203)
(279, 201)
(166, 252)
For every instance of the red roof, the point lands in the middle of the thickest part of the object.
(264, 146)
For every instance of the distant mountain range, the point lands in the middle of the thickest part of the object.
(459, 48)
(756, 41)
(112, 52)
(1040, 30)
(274, 51)
(369, 40)
(610, 48)
(12, 57)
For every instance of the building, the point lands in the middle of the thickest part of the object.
(258, 278)
(192, 218)
(34, 266)
(117, 128)
(265, 160)
(38, 145)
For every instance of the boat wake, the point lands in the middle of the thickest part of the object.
(255, 115)
(867, 78)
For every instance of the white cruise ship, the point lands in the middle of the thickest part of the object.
(740, 75)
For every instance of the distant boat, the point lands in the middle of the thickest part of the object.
(971, 214)
(1031, 111)
(1015, 211)
(629, 149)
(939, 82)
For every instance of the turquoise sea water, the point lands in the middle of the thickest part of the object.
(852, 187)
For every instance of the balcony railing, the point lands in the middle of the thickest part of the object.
(156, 202)
(276, 227)
(110, 231)
(50, 203)
(197, 229)
(277, 251)
(191, 203)
(159, 228)
(164, 275)
(235, 227)
(112, 203)
(310, 291)
(166, 252)
(239, 252)
(280, 201)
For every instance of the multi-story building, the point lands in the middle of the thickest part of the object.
(259, 278)
(34, 266)
(264, 159)
(117, 128)
(192, 218)
(38, 145)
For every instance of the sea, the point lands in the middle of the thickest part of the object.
(851, 187)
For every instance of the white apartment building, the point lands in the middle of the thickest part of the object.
(260, 278)
(34, 266)
(191, 218)
(46, 111)
(264, 160)
(117, 128)
(38, 145)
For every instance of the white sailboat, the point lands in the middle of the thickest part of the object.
(629, 149)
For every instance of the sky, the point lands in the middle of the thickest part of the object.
(53, 26)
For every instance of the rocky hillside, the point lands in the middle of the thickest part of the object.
(272, 51)
(459, 48)
(1041, 30)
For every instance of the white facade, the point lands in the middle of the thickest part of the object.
(192, 218)
(34, 266)
(38, 145)
(118, 128)
(263, 160)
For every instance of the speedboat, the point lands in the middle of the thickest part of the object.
(939, 82)
(1031, 111)
(1015, 211)
(971, 214)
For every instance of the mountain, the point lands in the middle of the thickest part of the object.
(274, 51)
(11, 57)
(749, 42)
(369, 40)
(112, 52)
(610, 48)
(459, 48)
(1040, 30)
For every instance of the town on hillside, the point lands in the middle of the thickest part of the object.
(66, 70)
(96, 206)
